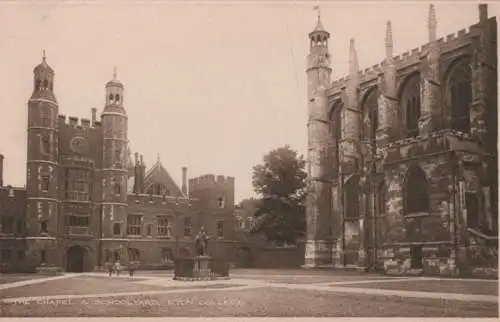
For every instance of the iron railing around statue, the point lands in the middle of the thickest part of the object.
(200, 268)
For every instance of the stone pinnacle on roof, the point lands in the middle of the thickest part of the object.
(388, 39)
(432, 23)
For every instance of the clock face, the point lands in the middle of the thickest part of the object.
(78, 145)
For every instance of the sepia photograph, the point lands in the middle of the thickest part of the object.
(240, 159)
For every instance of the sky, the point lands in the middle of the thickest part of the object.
(208, 85)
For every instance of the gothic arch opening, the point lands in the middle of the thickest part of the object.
(459, 94)
(336, 132)
(370, 114)
(416, 191)
(410, 104)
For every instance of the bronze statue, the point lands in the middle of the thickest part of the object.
(201, 241)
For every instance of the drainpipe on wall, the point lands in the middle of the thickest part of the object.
(454, 175)
(99, 240)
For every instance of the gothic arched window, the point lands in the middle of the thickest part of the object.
(370, 109)
(336, 131)
(460, 95)
(351, 202)
(410, 102)
(416, 191)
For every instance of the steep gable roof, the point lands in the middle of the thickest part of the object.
(159, 175)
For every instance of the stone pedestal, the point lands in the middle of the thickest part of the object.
(201, 266)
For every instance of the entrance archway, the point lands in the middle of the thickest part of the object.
(74, 259)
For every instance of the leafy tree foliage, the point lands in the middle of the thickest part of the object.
(281, 184)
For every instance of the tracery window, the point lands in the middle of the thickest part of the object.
(336, 131)
(370, 109)
(410, 100)
(416, 191)
(460, 95)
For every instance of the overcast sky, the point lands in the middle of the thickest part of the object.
(208, 85)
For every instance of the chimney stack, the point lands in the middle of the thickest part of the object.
(1, 170)
(184, 181)
(94, 113)
(483, 12)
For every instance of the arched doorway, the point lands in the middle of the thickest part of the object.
(243, 257)
(74, 259)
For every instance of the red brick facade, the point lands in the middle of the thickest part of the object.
(87, 203)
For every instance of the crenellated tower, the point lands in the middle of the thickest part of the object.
(114, 154)
(318, 204)
(42, 163)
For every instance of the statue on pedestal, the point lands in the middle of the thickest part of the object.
(201, 241)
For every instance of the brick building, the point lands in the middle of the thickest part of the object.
(402, 156)
(87, 202)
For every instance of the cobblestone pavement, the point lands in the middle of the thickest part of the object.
(250, 293)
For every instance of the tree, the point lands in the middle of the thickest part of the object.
(281, 184)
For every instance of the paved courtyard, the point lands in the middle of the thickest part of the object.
(259, 293)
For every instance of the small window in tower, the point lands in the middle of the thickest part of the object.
(51, 86)
(117, 229)
(45, 144)
(110, 98)
(43, 226)
(44, 183)
(45, 84)
(220, 202)
(38, 83)
(117, 98)
(118, 188)
(220, 229)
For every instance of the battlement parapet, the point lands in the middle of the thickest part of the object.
(75, 122)
(411, 57)
(210, 181)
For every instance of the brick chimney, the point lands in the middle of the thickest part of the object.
(184, 181)
(94, 113)
(1, 170)
(483, 12)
